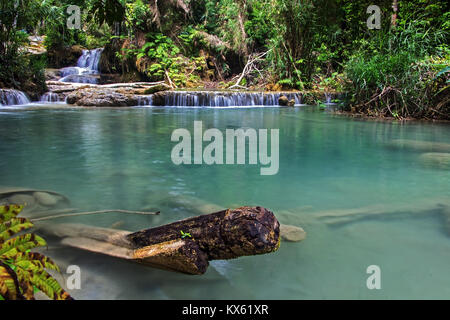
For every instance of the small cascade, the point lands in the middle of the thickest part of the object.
(90, 59)
(226, 99)
(145, 100)
(50, 97)
(9, 97)
(86, 70)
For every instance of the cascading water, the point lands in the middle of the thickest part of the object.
(86, 70)
(90, 59)
(328, 98)
(10, 97)
(145, 100)
(226, 99)
(50, 97)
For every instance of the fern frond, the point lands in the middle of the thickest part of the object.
(22, 243)
(25, 284)
(44, 281)
(22, 272)
(38, 259)
(11, 223)
(12, 227)
(9, 211)
(9, 285)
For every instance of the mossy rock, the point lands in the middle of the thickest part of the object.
(157, 88)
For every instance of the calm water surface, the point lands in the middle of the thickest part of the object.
(120, 158)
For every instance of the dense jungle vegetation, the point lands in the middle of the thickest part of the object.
(400, 70)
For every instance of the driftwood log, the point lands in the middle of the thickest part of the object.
(184, 246)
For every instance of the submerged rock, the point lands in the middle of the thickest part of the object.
(45, 198)
(436, 160)
(419, 145)
(446, 213)
(22, 199)
(292, 233)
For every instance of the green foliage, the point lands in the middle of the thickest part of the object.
(185, 234)
(107, 11)
(309, 44)
(22, 272)
(138, 15)
(397, 74)
(336, 82)
(165, 60)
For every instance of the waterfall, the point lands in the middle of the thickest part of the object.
(86, 70)
(10, 97)
(50, 97)
(90, 59)
(226, 99)
(145, 100)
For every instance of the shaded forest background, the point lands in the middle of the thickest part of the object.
(400, 70)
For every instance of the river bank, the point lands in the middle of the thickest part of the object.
(82, 82)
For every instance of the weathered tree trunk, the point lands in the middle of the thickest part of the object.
(225, 234)
(184, 246)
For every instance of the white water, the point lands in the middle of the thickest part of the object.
(9, 97)
(86, 70)
(145, 100)
(50, 97)
(227, 99)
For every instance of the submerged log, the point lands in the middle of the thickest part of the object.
(184, 246)
(225, 234)
(419, 145)
(197, 206)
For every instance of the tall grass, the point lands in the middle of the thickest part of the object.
(395, 74)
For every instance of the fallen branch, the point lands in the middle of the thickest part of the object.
(93, 212)
(172, 85)
(249, 66)
(345, 216)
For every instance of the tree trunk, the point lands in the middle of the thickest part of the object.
(394, 14)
